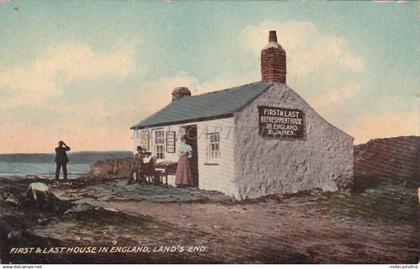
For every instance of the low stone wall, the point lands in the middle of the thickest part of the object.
(389, 160)
(108, 169)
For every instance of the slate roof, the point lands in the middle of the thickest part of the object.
(208, 106)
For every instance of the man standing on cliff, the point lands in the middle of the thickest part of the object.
(61, 159)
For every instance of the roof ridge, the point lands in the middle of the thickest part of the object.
(227, 89)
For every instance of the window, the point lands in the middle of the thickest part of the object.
(144, 139)
(170, 141)
(214, 146)
(160, 143)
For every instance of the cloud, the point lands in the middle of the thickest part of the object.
(307, 49)
(388, 124)
(98, 125)
(321, 67)
(44, 77)
(154, 95)
(336, 96)
(93, 125)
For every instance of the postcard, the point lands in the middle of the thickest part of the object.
(209, 132)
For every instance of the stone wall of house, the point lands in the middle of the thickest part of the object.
(323, 159)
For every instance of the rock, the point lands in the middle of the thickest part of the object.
(4, 195)
(111, 209)
(83, 207)
(191, 224)
(42, 221)
(418, 192)
(12, 199)
(316, 192)
(14, 235)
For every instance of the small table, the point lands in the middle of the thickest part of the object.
(163, 170)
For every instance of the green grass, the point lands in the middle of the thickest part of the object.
(383, 203)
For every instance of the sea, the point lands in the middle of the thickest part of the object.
(43, 165)
(46, 170)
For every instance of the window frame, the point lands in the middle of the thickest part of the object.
(159, 148)
(210, 149)
(170, 141)
(144, 139)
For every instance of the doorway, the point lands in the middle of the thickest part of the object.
(191, 134)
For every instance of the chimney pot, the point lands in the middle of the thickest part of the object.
(180, 92)
(272, 37)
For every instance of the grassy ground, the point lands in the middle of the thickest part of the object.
(376, 225)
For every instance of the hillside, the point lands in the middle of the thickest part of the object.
(393, 160)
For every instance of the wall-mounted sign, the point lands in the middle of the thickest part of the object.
(170, 142)
(281, 123)
(144, 139)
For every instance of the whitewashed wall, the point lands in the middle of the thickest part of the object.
(217, 174)
(323, 160)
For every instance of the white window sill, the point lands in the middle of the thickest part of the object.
(211, 163)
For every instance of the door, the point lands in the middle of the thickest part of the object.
(191, 134)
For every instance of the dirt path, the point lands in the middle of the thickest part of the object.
(291, 228)
(376, 226)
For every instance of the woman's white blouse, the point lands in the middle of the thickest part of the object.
(183, 149)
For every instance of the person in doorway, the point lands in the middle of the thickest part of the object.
(183, 170)
(137, 166)
(61, 159)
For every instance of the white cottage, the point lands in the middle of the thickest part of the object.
(252, 140)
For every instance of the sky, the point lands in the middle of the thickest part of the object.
(86, 71)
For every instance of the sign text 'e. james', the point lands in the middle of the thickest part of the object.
(280, 123)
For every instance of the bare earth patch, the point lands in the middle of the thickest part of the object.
(374, 226)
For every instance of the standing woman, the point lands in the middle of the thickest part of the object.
(183, 169)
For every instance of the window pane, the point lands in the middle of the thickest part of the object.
(214, 148)
(159, 138)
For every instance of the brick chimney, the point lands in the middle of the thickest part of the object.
(273, 61)
(179, 93)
